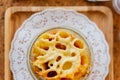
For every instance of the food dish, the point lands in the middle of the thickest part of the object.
(52, 18)
(60, 54)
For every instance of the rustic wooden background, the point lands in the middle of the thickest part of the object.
(4, 4)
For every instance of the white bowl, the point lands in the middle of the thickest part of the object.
(60, 27)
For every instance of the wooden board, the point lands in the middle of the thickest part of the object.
(15, 16)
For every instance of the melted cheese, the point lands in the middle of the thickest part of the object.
(60, 54)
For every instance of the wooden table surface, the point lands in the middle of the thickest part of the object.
(4, 4)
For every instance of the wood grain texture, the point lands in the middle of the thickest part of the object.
(4, 4)
(15, 16)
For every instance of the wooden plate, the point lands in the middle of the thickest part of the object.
(15, 16)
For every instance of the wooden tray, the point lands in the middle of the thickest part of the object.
(15, 16)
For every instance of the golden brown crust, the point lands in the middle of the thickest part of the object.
(60, 54)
